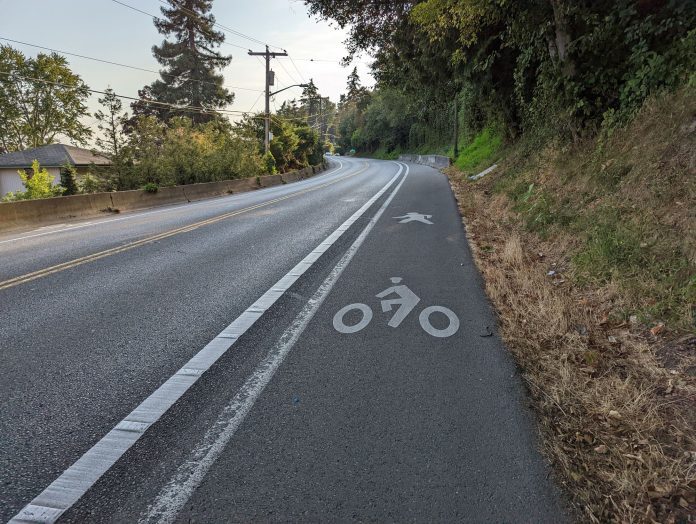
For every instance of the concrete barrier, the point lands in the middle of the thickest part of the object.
(293, 176)
(48, 211)
(242, 185)
(436, 161)
(270, 180)
(51, 210)
(140, 199)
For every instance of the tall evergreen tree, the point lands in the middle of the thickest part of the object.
(191, 62)
(353, 87)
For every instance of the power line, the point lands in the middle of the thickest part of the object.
(224, 28)
(280, 62)
(155, 17)
(296, 69)
(318, 60)
(198, 109)
(121, 65)
(256, 101)
(217, 24)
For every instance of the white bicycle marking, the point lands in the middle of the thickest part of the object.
(406, 301)
(451, 329)
(342, 327)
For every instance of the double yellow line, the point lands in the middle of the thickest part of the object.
(28, 277)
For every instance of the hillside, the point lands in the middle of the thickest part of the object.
(589, 255)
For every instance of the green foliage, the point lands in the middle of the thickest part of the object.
(548, 69)
(481, 151)
(611, 247)
(112, 123)
(40, 100)
(269, 163)
(179, 152)
(90, 184)
(68, 179)
(295, 145)
(190, 62)
(38, 185)
(151, 187)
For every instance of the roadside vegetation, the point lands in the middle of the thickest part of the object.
(585, 232)
(177, 132)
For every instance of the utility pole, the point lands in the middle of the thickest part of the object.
(267, 115)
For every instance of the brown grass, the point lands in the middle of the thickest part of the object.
(616, 404)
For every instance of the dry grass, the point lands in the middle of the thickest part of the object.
(617, 421)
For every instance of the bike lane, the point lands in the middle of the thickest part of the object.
(398, 401)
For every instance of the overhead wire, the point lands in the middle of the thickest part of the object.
(256, 102)
(296, 68)
(217, 24)
(189, 108)
(224, 28)
(155, 17)
(292, 78)
(137, 68)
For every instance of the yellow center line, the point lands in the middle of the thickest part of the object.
(28, 277)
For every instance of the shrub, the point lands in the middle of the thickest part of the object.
(38, 185)
(269, 163)
(68, 176)
(90, 184)
(151, 187)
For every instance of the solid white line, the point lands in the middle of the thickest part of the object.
(74, 482)
(176, 207)
(172, 498)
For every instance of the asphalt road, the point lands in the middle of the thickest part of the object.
(230, 360)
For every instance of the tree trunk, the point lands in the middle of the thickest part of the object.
(559, 42)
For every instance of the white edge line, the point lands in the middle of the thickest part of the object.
(176, 493)
(156, 211)
(74, 482)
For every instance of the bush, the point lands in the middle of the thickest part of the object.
(90, 184)
(151, 187)
(38, 185)
(68, 176)
(269, 163)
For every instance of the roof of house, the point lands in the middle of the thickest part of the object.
(52, 155)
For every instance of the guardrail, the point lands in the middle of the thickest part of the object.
(48, 211)
(436, 161)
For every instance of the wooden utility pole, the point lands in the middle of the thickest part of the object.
(267, 115)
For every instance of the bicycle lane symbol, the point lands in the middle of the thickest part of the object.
(405, 301)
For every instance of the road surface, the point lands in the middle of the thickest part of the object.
(316, 351)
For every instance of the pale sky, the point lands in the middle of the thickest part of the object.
(106, 30)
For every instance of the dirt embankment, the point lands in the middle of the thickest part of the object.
(588, 255)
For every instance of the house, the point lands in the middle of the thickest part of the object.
(51, 157)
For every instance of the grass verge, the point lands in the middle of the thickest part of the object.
(588, 256)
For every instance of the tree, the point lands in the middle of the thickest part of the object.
(68, 179)
(41, 99)
(189, 77)
(354, 90)
(111, 124)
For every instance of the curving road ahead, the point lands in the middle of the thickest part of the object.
(231, 360)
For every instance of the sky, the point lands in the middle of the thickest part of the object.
(106, 30)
